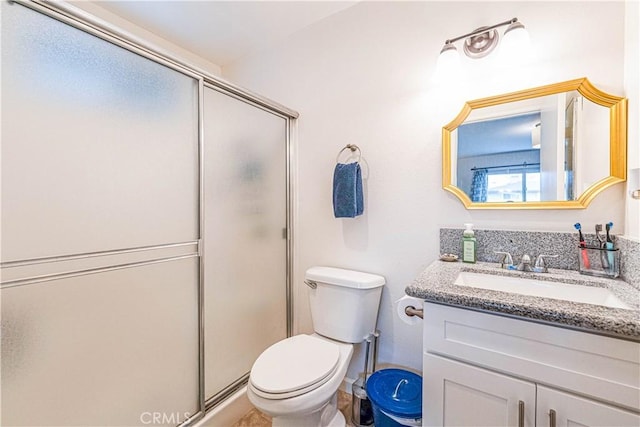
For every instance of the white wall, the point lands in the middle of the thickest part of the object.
(632, 87)
(594, 156)
(363, 76)
(552, 150)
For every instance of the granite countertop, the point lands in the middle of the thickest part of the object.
(436, 284)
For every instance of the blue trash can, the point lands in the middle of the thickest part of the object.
(396, 398)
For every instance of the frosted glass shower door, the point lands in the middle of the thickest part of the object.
(107, 349)
(99, 145)
(244, 242)
(99, 240)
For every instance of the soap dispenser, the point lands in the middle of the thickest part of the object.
(469, 244)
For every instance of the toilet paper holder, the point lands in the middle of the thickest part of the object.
(412, 311)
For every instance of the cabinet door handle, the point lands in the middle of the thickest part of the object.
(552, 418)
(520, 413)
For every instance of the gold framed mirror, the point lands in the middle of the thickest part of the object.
(550, 147)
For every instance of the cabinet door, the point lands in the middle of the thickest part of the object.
(573, 411)
(457, 394)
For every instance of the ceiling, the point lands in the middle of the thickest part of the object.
(496, 136)
(223, 31)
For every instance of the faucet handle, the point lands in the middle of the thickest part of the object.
(507, 260)
(540, 266)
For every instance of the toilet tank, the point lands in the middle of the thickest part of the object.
(344, 303)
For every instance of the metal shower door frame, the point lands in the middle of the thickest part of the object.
(104, 30)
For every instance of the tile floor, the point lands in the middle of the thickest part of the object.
(255, 418)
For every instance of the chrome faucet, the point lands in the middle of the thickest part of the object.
(525, 264)
(506, 261)
(540, 266)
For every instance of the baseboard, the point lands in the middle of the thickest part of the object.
(227, 412)
(346, 385)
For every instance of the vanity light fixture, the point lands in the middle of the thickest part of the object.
(482, 41)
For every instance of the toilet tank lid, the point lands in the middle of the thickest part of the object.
(346, 278)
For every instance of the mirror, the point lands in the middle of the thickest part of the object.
(550, 147)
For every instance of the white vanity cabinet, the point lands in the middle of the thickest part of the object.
(570, 411)
(459, 394)
(488, 370)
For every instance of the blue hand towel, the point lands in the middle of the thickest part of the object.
(348, 200)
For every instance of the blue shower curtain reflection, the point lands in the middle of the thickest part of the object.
(479, 185)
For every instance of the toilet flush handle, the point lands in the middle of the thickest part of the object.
(311, 284)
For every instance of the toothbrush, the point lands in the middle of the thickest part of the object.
(603, 244)
(609, 244)
(583, 245)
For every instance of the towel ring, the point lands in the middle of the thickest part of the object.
(353, 148)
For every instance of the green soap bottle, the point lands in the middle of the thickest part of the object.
(469, 244)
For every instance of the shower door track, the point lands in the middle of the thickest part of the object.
(84, 272)
(44, 260)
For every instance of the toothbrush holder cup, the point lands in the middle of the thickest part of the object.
(602, 262)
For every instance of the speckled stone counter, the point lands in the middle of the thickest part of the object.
(436, 284)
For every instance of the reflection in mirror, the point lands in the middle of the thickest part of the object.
(532, 150)
(536, 148)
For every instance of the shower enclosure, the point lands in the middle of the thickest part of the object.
(145, 246)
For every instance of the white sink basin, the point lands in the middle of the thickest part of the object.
(541, 288)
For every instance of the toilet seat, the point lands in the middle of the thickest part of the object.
(294, 366)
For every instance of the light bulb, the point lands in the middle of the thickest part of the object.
(515, 43)
(448, 64)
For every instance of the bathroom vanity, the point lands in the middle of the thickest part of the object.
(501, 358)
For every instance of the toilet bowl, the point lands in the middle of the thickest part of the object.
(311, 400)
(296, 380)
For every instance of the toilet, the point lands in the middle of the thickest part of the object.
(296, 380)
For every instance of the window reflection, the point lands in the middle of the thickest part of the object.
(510, 186)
